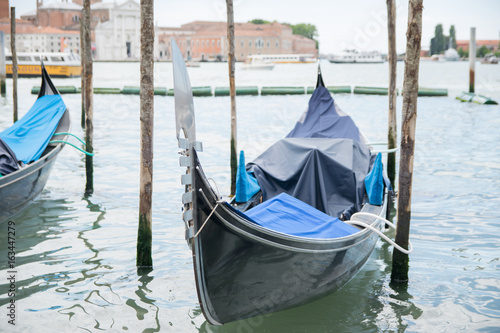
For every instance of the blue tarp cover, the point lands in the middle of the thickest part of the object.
(31, 134)
(323, 120)
(246, 183)
(289, 215)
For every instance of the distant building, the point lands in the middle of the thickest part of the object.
(424, 53)
(30, 38)
(491, 44)
(4, 9)
(115, 26)
(119, 38)
(303, 44)
(207, 41)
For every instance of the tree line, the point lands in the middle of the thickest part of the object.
(303, 29)
(440, 43)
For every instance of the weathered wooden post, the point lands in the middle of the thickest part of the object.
(82, 76)
(392, 133)
(409, 117)
(232, 93)
(144, 234)
(87, 93)
(472, 59)
(14, 59)
(3, 72)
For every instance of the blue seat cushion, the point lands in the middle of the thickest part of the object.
(286, 214)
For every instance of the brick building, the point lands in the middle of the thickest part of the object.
(203, 40)
(491, 44)
(4, 9)
(64, 14)
(115, 26)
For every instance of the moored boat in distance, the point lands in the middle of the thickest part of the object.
(256, 62)
(57, 64)
(283, 58)
(489, 58)
(351, 56)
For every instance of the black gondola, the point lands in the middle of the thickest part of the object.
(20, 187)
(243, 269)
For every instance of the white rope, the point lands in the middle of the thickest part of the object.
(216, 187)
(393, 150)
(213, 210)
(208, 218)
(378, 232)
(376, 143)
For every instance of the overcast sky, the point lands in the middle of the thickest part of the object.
(360, 24)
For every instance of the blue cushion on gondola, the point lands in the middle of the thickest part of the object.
(286, 214)
(30, 135)
(374, 182)
(246, 183)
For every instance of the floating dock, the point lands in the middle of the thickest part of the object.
(475, 98)
(207, 91)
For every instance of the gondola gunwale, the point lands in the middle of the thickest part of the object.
(45, 161)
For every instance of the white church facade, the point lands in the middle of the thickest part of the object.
(119, 38)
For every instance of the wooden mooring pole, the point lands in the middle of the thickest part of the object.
(144, 233)
(14, 60)
(87, 94)
(232, 93)
(472, 59)
(82, 59)
(400, 260)
(3, 73)
(392, 133)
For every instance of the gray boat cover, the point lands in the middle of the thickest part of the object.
(322, 162)
(323, 119)
(8, 159)
(327, 174)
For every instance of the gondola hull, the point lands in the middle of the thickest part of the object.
(243, 270)
(19, 188)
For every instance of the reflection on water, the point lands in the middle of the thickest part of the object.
(75, 256)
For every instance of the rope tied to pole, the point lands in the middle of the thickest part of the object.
(378, 232)
(70, 144)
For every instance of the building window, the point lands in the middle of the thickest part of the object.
(277, 44)
(259, 43)
(218, 42)
(242, 43)
(267, 43)
(249, 43)
(202, 43)
(213, 42)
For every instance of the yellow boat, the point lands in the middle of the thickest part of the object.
(57, 64)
